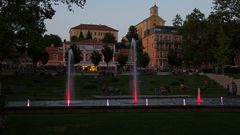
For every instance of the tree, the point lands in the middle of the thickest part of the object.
(81, 37)
(109, 38)
(226, 14)
(52, 39)
(195, 47)
(89, 35)
(76, 53)
(222, 51)
(227, 10)
(143, 60)
(132, 33)
(96, 58)
(122, 60)
(107, 53)
(174, 59)
(45, 57)
(38, 54)
(74, 39)
(23, 21)
(177, 21)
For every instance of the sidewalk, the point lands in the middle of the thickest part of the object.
(224, 80)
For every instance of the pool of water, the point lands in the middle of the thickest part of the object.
(167, 101)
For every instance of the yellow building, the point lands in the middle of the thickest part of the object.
(158, 39)
(97, 31)
(157, 42)
(150, 22)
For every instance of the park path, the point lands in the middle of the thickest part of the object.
(224, 80)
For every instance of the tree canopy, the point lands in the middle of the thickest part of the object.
(96, 57)
(107, 53)
(52, 39)
(122, 60)
(22, 22)
(109, 38)
(177, 21)
(132, 33)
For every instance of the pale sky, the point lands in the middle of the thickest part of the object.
(120, 14)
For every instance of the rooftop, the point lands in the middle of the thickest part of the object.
(94, 27)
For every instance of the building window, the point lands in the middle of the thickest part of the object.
(55, 56)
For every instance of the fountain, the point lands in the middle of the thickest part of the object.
(184, 102)
(69, 91)
(108, 103)
(199, 99)
(134, 59)
(221, 99)
(28, 103)
(146, 101)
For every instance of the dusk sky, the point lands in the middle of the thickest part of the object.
(120, 14)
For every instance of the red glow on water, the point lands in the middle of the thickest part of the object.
(135, 96)
(199, 99)
(68, 97)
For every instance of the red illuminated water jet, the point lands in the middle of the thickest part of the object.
(68, 97)
(135, 80)
(199, 99)
(135, 96)
(69, 77)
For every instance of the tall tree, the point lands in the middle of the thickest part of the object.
(228, 10)
(52, 39)
(81, 36)
(107, 53)
(177, 21)
(29, 30)
(109, 38)
(227, 15)
(222, 51)
(122, 60)
(89, 35)
(96, 58)
(74, 39)
(132, 33)
(143, 60)
(174, 59)
(194, 35)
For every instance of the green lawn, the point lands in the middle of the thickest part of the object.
(53, 87)
(124, 123)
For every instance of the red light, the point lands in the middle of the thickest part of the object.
(68, 97)
(199, 100)
(135, 97)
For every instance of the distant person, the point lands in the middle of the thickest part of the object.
(229, 92)
(234, 88)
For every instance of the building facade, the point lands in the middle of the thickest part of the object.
(158, 39)
(157, 42)
(87, 47)
(56, 55)
(97, 31)
(153, 20)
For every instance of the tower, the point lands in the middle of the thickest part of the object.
(154, 10)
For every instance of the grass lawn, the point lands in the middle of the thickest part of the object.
(124, 123)
(53, 87)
